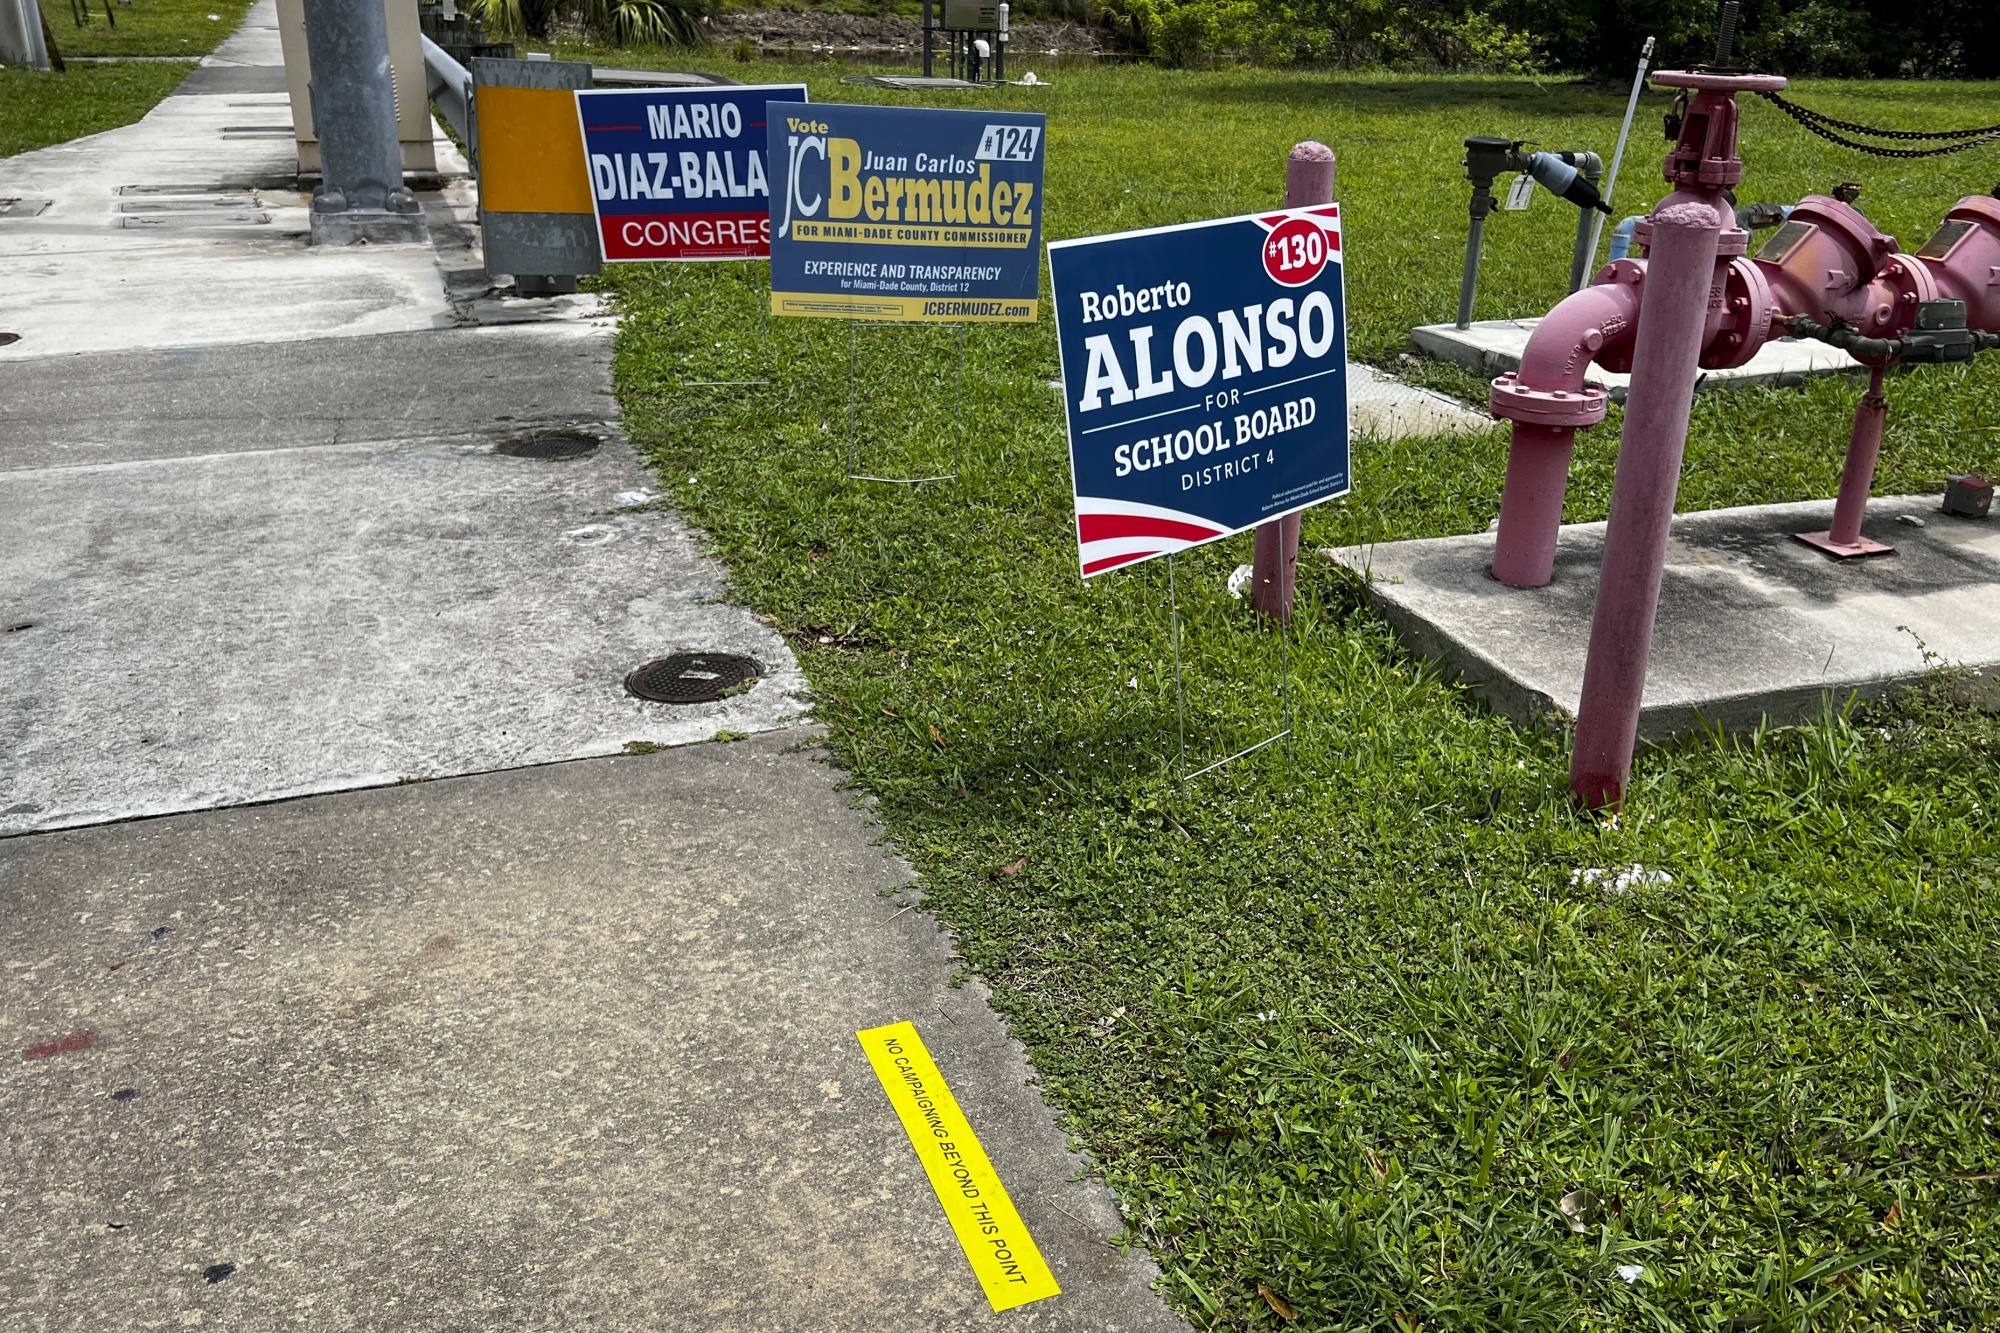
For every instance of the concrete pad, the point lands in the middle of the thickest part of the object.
(225, 604)
(1753, 624)
(1494, 346)
(564, 1048)
(1382, 406)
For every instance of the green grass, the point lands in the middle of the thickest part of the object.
(40, 109)
(1349, 1026)
(146, 28)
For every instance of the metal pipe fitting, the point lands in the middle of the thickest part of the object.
(1549, 402)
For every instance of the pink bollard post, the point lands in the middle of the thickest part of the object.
(1309, 176)
(1680, 276)
(1864, 446)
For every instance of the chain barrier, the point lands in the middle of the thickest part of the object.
(1825, 126)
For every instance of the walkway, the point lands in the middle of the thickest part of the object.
(553, 1036)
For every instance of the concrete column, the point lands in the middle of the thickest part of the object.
(21, 35)
(1309, 179)
(361, 197)
(1679, 277)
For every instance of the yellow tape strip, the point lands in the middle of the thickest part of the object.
(908, 309)
(995, 1240)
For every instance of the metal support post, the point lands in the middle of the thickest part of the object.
(1592, 167)
(1485, 158)
(21, 35)
(1864, 446)
(1468, 282)
(1309, 180)
(361, 197)
(1679, 278)
(1624, 131)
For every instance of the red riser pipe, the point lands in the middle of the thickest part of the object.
(1864, 446)
(1309, 174)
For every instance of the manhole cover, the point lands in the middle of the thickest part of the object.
(557, 444)
(691, 678)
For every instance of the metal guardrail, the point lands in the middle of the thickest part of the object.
(450, 86)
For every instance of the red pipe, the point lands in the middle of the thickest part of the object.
(1857, 477)
(1864, 446)
(1309, 174)
(1680, 276)
(1548, 402)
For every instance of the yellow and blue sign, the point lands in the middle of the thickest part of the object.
(905, 213)
(1204, 379)
(679, 173)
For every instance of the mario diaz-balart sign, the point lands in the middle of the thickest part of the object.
(1204, 376)
(678, 173)
(901, 213)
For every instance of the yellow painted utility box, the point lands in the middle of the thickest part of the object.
(536, 220)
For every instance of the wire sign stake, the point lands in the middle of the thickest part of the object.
(1180, 699)
(854, 472)
(768, 356)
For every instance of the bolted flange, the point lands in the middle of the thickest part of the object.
(1514, 401)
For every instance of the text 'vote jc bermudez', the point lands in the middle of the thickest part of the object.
(1204, 379)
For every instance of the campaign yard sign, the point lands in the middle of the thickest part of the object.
(679, 173)
(905, 213)
(1204, 378)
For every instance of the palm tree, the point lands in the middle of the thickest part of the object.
(617, 22)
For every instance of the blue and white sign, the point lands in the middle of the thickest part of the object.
(1204, 377)
(906, 213)
(678, 173)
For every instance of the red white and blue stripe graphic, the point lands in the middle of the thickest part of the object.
(1111, 533)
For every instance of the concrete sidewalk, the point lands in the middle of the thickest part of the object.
(569, 1047)
(188, 228)
(549, 1037)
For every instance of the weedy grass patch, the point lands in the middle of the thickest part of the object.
(37, 109)
(145, 27)
(1350, 1022)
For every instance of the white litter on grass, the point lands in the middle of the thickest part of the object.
(1621, 882)
(624, 498)
(1239, 580)
(1631, 1273)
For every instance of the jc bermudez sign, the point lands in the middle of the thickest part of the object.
(679, 173)
(904, 213)
(1204, 377)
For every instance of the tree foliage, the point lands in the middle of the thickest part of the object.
(617, 22)
(1836, 38)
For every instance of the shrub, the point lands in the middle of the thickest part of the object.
(617, 22)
